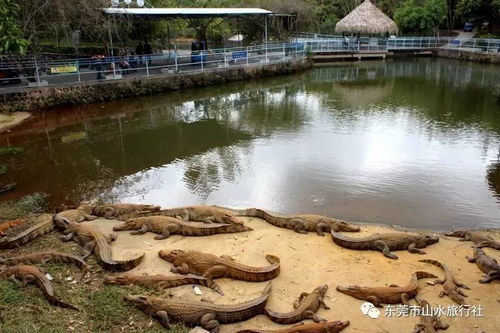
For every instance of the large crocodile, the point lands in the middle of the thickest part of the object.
(305, 307)
(166, 226)
(326, 327)
(39, 229)
(44, 257)
(450, 284)
(197, 313)
(93, 241)
(29, 274)
(205, 214)
(488, 265)
(387, 295)
(210, 266)
(429, 320)
(387, 242)
(301, 223)
(121, 211)
(80, 214)
(162, 281)
(478, 237)
(9, 224)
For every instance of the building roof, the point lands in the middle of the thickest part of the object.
(188, 12)
(366, 19)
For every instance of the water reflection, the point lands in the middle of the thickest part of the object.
(403, 141)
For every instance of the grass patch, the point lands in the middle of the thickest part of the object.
(102, 307)
(3, 169)
(28, 205)
(8, 151)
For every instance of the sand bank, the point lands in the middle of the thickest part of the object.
(310, 260)
(9, 120)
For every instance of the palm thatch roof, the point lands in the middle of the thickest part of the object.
(366, 19)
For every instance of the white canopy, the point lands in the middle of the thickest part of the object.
(188, 12)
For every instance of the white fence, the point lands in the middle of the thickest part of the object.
(35, 72)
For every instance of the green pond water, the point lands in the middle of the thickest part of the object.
(412, 142)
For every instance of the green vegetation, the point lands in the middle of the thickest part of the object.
(8, 151)
(11, 40)
(420, 17)
(3, 169)
(28, 205)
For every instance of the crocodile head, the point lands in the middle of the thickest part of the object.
(60, 222)
(350, 290)
(229, 219)
(132, 224)
(321, 290)
(335, 326)
(171, 255)
(138, 300)
(429, 239)
(457, 233)
(339, 225)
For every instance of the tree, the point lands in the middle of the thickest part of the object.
(420, 16)
(479, 11)
(10, 34)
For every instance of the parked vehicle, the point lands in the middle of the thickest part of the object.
(468, 27)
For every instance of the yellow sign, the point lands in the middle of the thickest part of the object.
(63, 69)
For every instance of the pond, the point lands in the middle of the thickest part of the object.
(412, 142)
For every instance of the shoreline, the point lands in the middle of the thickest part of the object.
(10, 120)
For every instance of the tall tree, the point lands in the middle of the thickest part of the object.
(420, 16)
(11, 40)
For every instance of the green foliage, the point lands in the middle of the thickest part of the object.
(11, 40)
(479, 11)
(420, 17)
(3, 169)
(27, 205)
(7, 151)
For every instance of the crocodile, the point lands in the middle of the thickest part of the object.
(301, 223)
(166, 226)
(44, 227)
(387, 295)
(488, 265)
(325, 327)
(305, 307)
(480, 239)
(162, 281)
(450, 284)
(93, 240)
(387, 242)
(27, 274)
(121, 211)
(44, 257)
(211, 266)
(198, 313)
(205, 214)
(80, 214)
(9, 224)
(429, 322)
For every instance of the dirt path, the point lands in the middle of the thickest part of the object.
(311, 260)
(9, 120)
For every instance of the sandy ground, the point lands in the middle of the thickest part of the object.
(308, 261)
(9, 120)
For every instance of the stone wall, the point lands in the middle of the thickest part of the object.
(47, 97)
(490, 58)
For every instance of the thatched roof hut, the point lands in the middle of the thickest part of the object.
(366, 19)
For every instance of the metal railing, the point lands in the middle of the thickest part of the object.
(372, 44)
(20, 75)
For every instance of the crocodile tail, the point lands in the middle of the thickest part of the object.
(55, 301)
(267, 289)
(423, 275)
(122, 266)
(435, 263)
(212, 285)
(273, 259)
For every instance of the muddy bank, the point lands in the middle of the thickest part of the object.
(47, 97)
(9, 120)
(310, 260)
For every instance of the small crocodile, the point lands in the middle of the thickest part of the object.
(93, 241)
(488, 265)
(166, 226)
(9, 224)
(197, 313)
(44, 257)
(301, 223)
(387, 295)
(210, 266)
(305, 307)
(387, 242)
(429, 321)
(162, 281)
(29, 274)
(44, 227)
(121, 211)
(480, 239)
(328, 327)
(205, 214)
(450, 284)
